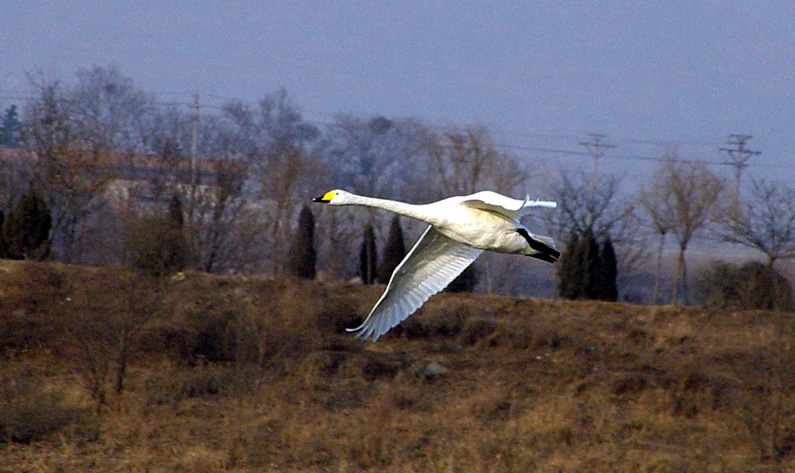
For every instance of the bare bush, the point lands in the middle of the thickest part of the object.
(209, 380)
(30, 411)
(749, 286)
(767, 379)
(107, 332)
(156, 243)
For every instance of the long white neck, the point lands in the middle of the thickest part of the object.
(401, 208)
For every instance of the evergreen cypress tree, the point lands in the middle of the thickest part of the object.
(367, 256)
(3, 245)
(26, 230)
(10, 128)
(176, 251)
(609, 263)
(587, 270)
(175, 212)
(394, 252)
(466, 281)
(591, 267)
(302, 259)
(570, 280)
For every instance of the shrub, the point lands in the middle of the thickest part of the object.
(31, 293)
(749, 286)
(214, 338)
(212, 380)
(156, 243)
(29, 412)
(106, 331)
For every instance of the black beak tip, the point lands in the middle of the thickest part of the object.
(317, 199)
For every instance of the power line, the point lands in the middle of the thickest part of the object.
(595, 147)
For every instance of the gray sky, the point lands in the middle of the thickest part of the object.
(539, 74)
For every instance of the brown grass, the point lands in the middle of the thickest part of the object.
(251, 374)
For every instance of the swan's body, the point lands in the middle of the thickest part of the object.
(460, 229)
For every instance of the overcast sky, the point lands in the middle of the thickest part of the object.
(540, 74)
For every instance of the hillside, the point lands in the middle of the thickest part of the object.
(103, 370)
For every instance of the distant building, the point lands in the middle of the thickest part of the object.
(137, 178)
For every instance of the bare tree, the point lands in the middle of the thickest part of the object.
(657, 201)
(16, 172)
(377, 156)
(764, 220)
(218, 207)
(372, 156)
(694, 193)
(466, 161)
(68, 171)
(252, 168)
(273, 141)
(587, 206)
(597, 207)
(108, 110)
(74, 134)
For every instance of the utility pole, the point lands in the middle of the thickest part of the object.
(194, 135)
(192, 172)
(740, 156)
(597, 149)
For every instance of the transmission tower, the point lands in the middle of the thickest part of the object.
(597, 149)
(740, 156)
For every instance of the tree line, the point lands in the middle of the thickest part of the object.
(97, 171)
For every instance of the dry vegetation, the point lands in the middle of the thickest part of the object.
(104, 370)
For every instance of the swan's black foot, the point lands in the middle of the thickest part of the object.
(545, 252)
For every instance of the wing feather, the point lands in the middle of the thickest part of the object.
(506, 206)
(429, 267)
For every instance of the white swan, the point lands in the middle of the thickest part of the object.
(460, 228)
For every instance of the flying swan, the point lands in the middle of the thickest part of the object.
(460, 229)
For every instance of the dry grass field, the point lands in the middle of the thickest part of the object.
(103, 370)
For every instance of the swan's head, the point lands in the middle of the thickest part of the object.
(335, 197)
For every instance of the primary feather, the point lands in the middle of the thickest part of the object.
(429, 267)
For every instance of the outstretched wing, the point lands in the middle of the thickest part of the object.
(506, 206)
(430, 266)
